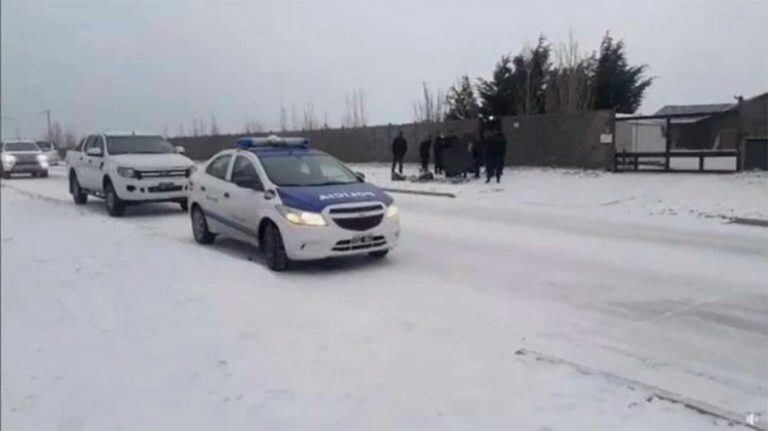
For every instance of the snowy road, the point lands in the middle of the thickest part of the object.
(128, 324)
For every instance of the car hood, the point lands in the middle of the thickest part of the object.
(316, 198)
(152, 161)
(17, 153)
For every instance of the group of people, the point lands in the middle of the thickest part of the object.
(489, 150)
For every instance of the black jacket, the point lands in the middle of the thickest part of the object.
(496, 147)
(399, 146)
(424, 148)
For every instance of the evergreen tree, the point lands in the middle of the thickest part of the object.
(461, 100)
(618, 85)
(496, 94)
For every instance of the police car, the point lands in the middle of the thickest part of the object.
(293, 202)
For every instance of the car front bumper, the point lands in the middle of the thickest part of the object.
(25, 168)
(320, 242)
(153, 190)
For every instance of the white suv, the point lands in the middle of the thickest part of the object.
(293, 202)
(128, 168)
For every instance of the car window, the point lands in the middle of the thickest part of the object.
(243, 168)
(306, 170)
(99, 143)
(218, 167)
(89, 143)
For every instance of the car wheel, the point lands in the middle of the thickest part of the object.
(79, 196)
(115, 206)
(44, 174)
(200, 227)
(380, 254)
(184, 205)
(274, 249)
(6, 175)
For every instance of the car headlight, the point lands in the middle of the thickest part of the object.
(9, 158)
(42, 159)
(299, 217)
(126, 172)
(392, 210)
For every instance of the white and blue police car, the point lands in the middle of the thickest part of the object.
(292, 201)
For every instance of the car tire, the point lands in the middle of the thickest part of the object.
(200, 227)
(274, 249)
(7, 175)
(78, 195)
(379, 254)
(115, 206)
(44, 174)
(184, 205)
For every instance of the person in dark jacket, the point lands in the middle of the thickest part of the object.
(495, 150)
(438, 146)
(399, 148)
(424, 152)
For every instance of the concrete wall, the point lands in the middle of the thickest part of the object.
(553, 139)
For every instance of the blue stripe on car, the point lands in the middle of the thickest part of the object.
(231, 223)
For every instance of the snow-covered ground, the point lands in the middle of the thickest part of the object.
(558, 300)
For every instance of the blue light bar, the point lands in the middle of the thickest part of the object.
(272, 141)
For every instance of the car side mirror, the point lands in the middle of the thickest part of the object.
(180, 149)
(94, 152)
(360, 176)
(248, 183)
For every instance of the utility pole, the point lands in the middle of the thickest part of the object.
(48, 117)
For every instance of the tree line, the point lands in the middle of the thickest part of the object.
(549, 79)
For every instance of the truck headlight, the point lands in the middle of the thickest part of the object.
(126, 172)
(43, 160)
(9, 159)
(392, 210)
(299, 217)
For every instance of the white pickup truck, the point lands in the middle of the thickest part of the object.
(127, 169)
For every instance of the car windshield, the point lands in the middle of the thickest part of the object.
(139, 145)
(306, 170)
(21, 146)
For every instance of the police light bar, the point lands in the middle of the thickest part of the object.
(272, 141)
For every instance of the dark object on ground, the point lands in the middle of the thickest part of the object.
(457, 160)
(419, 192)
(750, 221)
(398, 177)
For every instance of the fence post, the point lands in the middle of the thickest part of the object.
(668, 144)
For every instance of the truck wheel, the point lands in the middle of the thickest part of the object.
(44, 174)
(115, 206)
(274, 249)
(79, 196)
(200, 227)
(184, 205)
(380, 254)
(6, 175)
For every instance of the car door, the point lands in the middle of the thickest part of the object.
(246, 197)
(85, 171)
(213, 189)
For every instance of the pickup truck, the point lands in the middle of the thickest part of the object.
(22, 157)
(127, 169)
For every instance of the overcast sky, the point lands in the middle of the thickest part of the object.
(154, 66)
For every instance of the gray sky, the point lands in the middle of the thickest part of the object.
(153, 66)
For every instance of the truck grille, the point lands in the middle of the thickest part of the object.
(359, 223)
(158, 189)
(26, 159)
(349, 245)
(163, 173)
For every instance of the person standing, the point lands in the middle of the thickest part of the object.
(438, 145)
(424, 152)
(399, 148)
(475, 147)
(495, 151)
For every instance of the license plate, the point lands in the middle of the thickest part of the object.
(362, 240)
(166, 186)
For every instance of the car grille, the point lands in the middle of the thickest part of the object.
(26, 159)
(348, 210)
(349, 245)
(359, 223)
(164, 189)
(163, 173)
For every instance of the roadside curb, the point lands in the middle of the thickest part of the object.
(656, 392)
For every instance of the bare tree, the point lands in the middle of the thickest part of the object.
(431, 108)
(214, 126)
(180, 130)
(253, 126)
(295, 120)
(283, 118)
(570, 86)
(310, 120)
(56, 134)
(355, 113)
